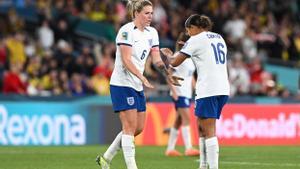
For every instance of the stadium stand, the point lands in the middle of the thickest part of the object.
(263, 38)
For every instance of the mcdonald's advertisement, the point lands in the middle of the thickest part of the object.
(240, 124)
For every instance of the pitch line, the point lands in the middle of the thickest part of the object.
(259, 164)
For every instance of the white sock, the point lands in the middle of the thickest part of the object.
(113, 148)
(172, 139)
(186, 134)
(212, 152)
(129, 151)
(203, 162)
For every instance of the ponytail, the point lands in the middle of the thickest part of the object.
(137, 6)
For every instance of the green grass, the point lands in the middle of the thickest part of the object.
(152, 157)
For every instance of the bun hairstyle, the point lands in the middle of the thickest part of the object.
(137, 6)
(200, 21)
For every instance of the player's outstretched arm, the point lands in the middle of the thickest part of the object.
(126, 58)
(173, 59)
(164, 67)
(168, 56)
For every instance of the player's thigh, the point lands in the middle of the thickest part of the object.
(184, 113)
(141, 116)
(178, 121)
(207, 126)
(182, 105)
(129, 120)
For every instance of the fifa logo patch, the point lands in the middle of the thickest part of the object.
(150, 42)
(125, 35)
(130, 101)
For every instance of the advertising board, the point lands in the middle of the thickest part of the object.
(240, 124)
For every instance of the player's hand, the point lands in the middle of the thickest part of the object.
(147, 83)
(167, 52)
(175, 80)
(181, 42)
(170, 70)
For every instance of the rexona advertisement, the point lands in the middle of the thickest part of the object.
(240, 124)
(41, 124)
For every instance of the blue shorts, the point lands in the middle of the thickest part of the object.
(210, 107)
(182, 102)
(126, 98)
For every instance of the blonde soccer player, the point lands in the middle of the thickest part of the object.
(135, 41)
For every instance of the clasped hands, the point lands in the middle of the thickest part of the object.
(167, 53)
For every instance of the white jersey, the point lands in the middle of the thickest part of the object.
(185, 70)
(208, 51)
(141, 43)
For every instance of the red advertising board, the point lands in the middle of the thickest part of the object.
(240, 124)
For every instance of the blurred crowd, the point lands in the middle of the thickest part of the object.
(47, 61)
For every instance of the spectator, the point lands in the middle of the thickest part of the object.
(106, 64)
(268, 85)
(64, 82)
(78, 85)
(159, 13)
(30, 47)
(46, 35)
(15, 45)
(235, 28)
(99, 11)
(256, 70)
(249, 46)
(238, 76)
(62, 30)
(3, 55)
(268, 30)
(100, 83)
(12, 82)
(3, 60)
(16, 23)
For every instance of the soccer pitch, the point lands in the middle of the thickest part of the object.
(148, 157)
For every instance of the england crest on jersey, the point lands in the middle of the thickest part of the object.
(187, 101)
(130, 101)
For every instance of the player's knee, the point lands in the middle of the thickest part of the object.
(138, 131)
(201, 131)
(210, 133)
(185, 121)
(178, 122)
(129, 128)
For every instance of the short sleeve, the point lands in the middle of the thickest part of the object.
(124, 37)
(189, 48)
(155, 42)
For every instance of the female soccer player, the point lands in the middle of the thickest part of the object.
(135, 41)
(208, 51)
(181, 96)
